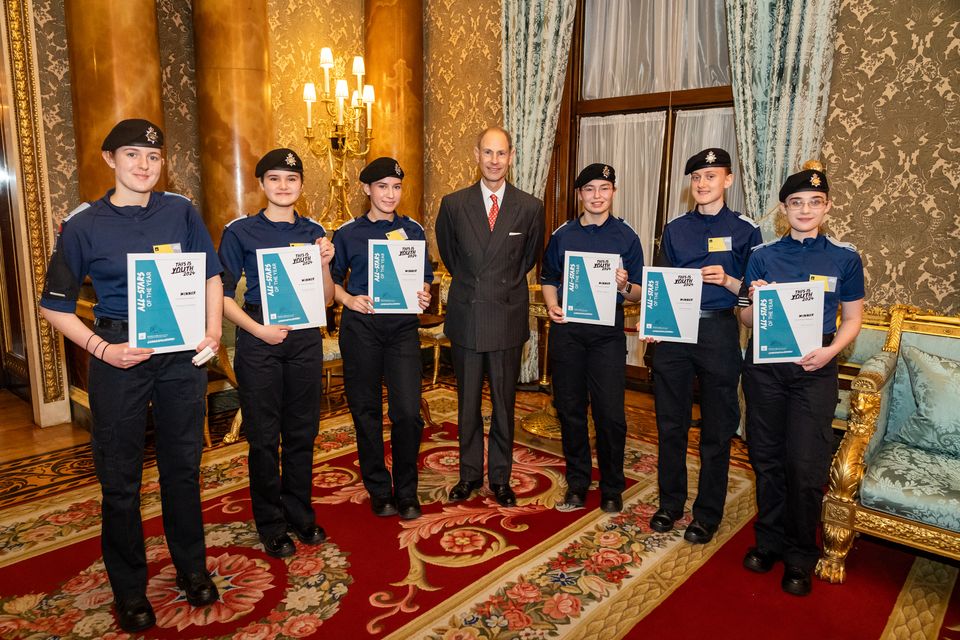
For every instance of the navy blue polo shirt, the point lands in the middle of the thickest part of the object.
(243, 236)
(350, 242)
(613, 236)
(789, 260)
(96, 237)
(695, 240)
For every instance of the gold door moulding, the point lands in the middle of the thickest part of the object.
(27, 127)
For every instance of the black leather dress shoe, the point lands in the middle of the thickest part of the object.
(795, 581)
(135, 614)
(611, 503)
(383, 506)
(278, 546)
(198, 587)
(759, 561)
(409, 508)
(662, 521)
(463, 490)
(699, 533)
(504, 495)
(573, 500)
(311, 534)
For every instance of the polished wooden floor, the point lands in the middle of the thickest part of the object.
(20, 437)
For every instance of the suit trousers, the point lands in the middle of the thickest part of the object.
(588, 362)
(280, 390)
(790, 441)
(381, 349)
(716, 362)
(502, 369)
(118, 402)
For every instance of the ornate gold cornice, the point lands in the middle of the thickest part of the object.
(26, 116)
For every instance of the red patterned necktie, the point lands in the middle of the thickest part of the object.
(494, 211)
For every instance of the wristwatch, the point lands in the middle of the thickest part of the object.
(627, 289)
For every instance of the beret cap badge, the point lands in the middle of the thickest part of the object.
(397, 170)
(606, 171)
(291, 160)
(815, 180)
(711, 157)
(151, 135)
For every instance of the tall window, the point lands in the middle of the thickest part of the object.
(649, 86)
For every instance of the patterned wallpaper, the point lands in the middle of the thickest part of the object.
(298, 30)
(179, 93)
(891, 147)
(462, 87)
(53, 75)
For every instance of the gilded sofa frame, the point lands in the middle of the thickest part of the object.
(843, 516)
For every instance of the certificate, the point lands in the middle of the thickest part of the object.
(590, 287)
(395, 274)
(291, 286)
(670, 309)
(166, 297)
(787, 321)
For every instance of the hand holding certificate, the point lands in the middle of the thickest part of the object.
(787, 321)
(590, 288)
(670, 307)
(395, 275)
(291, 286)
(166, 294)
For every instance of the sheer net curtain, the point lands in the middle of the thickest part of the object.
(633, 145)
(694, 131)
(633, 47)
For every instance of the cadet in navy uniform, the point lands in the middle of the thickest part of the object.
(279, 369)
(381, 348)
(715, 240)
(790, 406)
(589, 361)
(94, 240)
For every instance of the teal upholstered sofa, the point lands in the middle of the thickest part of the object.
(896, 474)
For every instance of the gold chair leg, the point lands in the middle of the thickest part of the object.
(436, 361)
(234, 434)
(837, 542)
(206, 431)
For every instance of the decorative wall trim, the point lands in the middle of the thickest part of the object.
(28, 135)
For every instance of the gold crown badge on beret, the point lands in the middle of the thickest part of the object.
(151, 135)
(606, 171)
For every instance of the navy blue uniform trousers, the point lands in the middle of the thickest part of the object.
(118, 402)
(790, 441)
(588, 363)
(380, 349)
(716, 362)
(280, 390)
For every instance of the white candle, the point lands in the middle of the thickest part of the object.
(309, 96)
(339, 111)
(358, 70)
(326, 61)
(355, 110)
(326, 81)
(368, 100)
(343, 92)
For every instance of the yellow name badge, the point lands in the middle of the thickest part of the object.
(720, 244)
(298, 244)
(829, 282)
(397, 234)
(167, 248)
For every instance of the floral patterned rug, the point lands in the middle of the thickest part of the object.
(470, 570)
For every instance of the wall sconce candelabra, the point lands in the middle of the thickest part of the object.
(344, 129)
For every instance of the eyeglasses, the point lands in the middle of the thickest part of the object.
(814, 204)
(604, 190)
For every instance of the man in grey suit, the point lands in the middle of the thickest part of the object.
(489, 235)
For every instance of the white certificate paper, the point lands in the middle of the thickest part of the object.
(787, 321)
(395, 274)
(166, 294)
(291, 286)
(670, 309)
(590, 287)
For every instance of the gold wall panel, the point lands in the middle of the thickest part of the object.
(891, 145)
(462, 94)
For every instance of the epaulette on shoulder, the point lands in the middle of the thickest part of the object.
(83, 207)
(347, 223)
(179, 195)
(561, 227)
(627, 225)
(765, 244)
(843, 245)
(749, 221)
(239, 217)
(409, 219)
